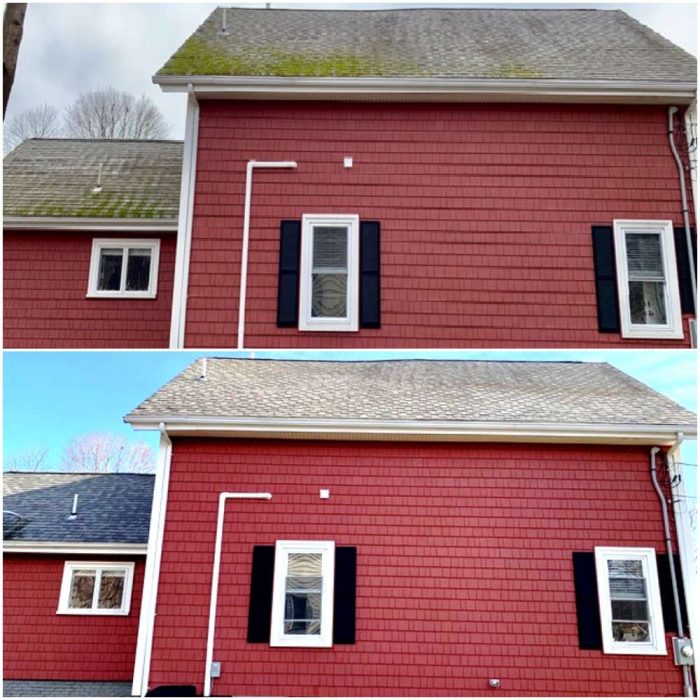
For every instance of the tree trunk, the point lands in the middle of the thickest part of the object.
(13, 25)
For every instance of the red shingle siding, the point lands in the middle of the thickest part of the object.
(486, 214)
(46, 280)
(464, 565)
(41, 645)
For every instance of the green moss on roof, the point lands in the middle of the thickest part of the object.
(515, 70)
(102, 205)
(200, 57)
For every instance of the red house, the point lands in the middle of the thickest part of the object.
(74, 550)
(402, 178)
(414, 528)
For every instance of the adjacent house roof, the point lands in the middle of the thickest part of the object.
(58, 177)
(430, 43)
(479, 392)
(112, 508)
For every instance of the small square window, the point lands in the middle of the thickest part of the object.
(96, 589)
(631, 616)
(302, 598)
(124, 268)
(647, 280)
(329, 273)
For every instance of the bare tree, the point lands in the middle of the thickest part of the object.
(35, 123)
(12, 29)
(32, 459)
(110, 114)
(102, 452)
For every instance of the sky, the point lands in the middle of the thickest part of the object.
(70, 48)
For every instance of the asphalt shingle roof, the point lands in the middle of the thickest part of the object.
(416, 390)
(446, 43)
(112, 508)
(56, 177)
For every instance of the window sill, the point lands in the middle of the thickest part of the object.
(121, 295)
(653, 334)
(632, 651)
(90, 613)
(329, 326)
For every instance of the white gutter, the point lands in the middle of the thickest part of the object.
(184, 225)
(144, 641)
(477, 431)
(47, 547)
(252, 164)
(223, 497)
(474, 89)
(83, 223)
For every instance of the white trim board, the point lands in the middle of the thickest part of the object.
(46, 547)
(53, 223)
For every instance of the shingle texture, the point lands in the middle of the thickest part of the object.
(63, 689)
(473, 391)
(114, 508)
(450, 43)
(56, 177)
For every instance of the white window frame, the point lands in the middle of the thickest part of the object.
(71, 566)
(307, 322)
(98, 244)
(283, 548)
(673, 329)
(647, 556)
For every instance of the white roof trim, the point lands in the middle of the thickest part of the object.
(81, 223)
(38, 547)
(422, 430)
(475, 89)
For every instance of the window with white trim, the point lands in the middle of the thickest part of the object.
(631, 615)
(90, 588)
(647, 279)
(302, 594)
(124, 268)
(329, 273)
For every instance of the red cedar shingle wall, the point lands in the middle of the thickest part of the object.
(46, 280)
(486, 214)
(41, 645)
(464, 565)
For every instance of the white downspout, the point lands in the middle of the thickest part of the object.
(144, 642)
(223, 497)
(184, 224)
(246, 236)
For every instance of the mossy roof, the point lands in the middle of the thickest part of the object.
(449, 43)
(56, 178)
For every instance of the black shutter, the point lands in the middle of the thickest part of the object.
(587, 608)
(344, 595)
(605, 279)
(288, 286)
(260, 610)
(669, 609)
(685, 268)
(370, 284)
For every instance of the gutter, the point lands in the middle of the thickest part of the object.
(47, 547)
(473, 89)
(84, 223)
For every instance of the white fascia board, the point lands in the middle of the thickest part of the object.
(641, 91)
(53, 223)
(45, 547)
(406, 430)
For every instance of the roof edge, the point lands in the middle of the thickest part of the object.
(79, 223)
(48, 547)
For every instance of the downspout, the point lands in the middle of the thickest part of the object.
(144, 642)
(684, 202)
(223, 497)
(246, 236)
(687, 678)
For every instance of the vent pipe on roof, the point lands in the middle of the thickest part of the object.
(224, 29)
(203, 375)
(74, 508)
(98, 187)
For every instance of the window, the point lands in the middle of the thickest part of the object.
(647, 279)
(123, 268)
(302, 597)
(96, 588)
(631, 616)
(329, 273)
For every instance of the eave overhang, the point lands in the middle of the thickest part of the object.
(431, 89)
(81, 223)
(423, 431)
(49, 547)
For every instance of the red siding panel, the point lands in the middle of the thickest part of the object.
(464, 565)
(41, 645)
(45, 283)
(486, 214)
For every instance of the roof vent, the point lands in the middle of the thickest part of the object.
(224, 29)
(74, 509)
(98, 187)
(203, 375)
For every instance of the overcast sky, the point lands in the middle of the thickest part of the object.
(72, 48)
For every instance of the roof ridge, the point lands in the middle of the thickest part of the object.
(114, 140)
